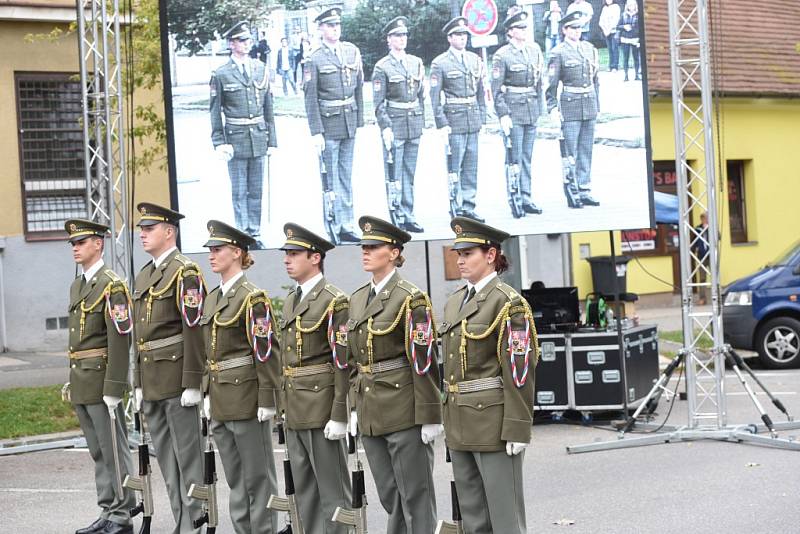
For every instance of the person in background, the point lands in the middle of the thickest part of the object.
(700, 249)
(552, 19)
(283, 66)
(609, 18)
(587, 12)
(295, 53)
(261, 49)
(629, 37)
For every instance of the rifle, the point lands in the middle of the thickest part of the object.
(112, 415)
(142, 482)
(328, 196)
(393, 190)
(512, 181)
(288, 503)
(453, 181)
(269, 190)
(456, 526)
(356, 517)
(568, 172)
(207, 491)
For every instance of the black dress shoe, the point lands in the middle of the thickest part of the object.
(587, 200)
(413, 227)
(348, 237)
(530, 207)
(116, 528)
(97, 526)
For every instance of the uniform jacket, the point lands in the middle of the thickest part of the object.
(399, 399)
(392, 82)
(325, 78)
(228, 321)
(310, 401)
(235, 97)
(574, 66)
(511, 67)
(486, 420)
(452, 79)
(99, 317)
(167, 301)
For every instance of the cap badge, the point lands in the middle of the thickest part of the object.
(458, 228)
(289, 233)
(368, 227)
(72, 227)
(143, 210)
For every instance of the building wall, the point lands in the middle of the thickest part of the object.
(764, 132)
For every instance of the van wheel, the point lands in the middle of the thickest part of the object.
(778, 343)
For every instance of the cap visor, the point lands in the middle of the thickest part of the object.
(465, 244)
(373, 242)
(216, 243)
(148, 222)
(289, 246)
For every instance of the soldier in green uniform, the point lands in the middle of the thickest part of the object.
(490, 352)
(398, 93)
(167, 303)
(333, 79)
(99, 341)
(315, 381)
(574, 65)
(241, 379)
(392, 352)
(240, 93)
(517, 88)
(459, 108)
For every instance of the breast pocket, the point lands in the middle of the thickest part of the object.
(163, 307)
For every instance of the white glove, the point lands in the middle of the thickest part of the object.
(265, 414)
(513, 448)
(138, 395)
(334, 430)
(353, 423)
(207, 407)
(446, 130)
(190, 397)
(555, 115)
(111, 402)
(388, 138)
(225, 152)
(318, 142)
(271, 150)
(429, 432)
(506, 124)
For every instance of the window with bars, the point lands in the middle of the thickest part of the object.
(51, 152)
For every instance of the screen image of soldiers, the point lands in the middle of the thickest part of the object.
(333, 78)
(517, 70)
(167, 304)
(459, 108)
(99, 326)
(240, 94)
(398, 94)
(573, 65)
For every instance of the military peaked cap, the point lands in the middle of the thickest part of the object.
(396, 26)
(299, 238)
(573, 19)
(379, 232)
(80, 229)
(516, 20)
(330, 16)
(151, 214)
(471, 233)
(240, 30)
(457, 25)
(224, 234)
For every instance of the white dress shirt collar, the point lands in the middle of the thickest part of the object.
(483, 282)
(309, 284)
(91, 271)
(224, 287)
(380, 285)
(159, 260)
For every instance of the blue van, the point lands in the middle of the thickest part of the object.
(761, 311)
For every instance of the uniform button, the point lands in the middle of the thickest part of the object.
(74, 366)
(145, 358)
(366, 388)
(290, 386)
(451, 356)
(451, 378)
(289, 348)
(251, 116)
(142, 319)
(213, 379)
(362, 351)
(452, 398)
(290, 329)
(236, 381)
(480, 405)
(141, 340)
(452, 334)
(173, 356)
(70, 348)
(360, 331)
(71, 329)
(397, 385)
(316, 388)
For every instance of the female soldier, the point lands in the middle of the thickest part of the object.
(392, 344)
(490, 351)
(241, 379)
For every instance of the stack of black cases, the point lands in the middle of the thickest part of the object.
(582, 370)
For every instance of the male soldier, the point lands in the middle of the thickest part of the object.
(167, 302)
(460, 114)
(398, 93)
(240, 91)
(333, 77)
(99, 324)
(516, 86)
(315, 382)
(574, 63)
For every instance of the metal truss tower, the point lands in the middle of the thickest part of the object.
(103, 126)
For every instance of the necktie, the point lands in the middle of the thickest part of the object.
(470, 295)
(371, 295)
(82, 284)
(244, 72)
(463, 62)
(298, 296)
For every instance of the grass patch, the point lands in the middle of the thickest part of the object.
(676, 336)
(33, 411)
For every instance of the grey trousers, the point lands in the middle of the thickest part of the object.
(96, 426)
(579, 138)
(464, 148)
(489, 486)
(405, 166)
(402, 467)
(522, 138)
(245, 448)
(247, 187)
(338, 157)
(176, 436)
(321, 479)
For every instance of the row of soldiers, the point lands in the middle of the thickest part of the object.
(332, 85)
(368, 363)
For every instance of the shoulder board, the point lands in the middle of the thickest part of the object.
(112, 275)
(183, 259)
(509, 291)
(252, 288)
(335, 291)
(381, 61)
(407, 286)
